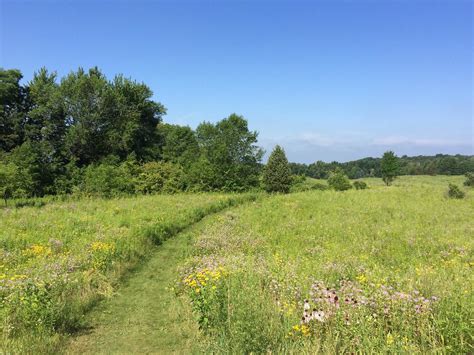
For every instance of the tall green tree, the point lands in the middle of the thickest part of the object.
(104, 118)
(389, 167)
(230, 149)
(179, 144)
(13, 109)
(133, 117)
(85, 102)
(277, 173)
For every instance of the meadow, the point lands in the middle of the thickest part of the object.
(387, 269)
(58, 260)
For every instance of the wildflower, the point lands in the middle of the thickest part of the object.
(390, 340)
(306, 305)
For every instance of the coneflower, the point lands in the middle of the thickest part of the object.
(306, 305)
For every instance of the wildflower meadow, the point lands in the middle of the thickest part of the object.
(59, 260)
(384, 270)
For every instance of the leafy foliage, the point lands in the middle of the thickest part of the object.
(469, 179)
(229, 150)
(160, 177)
(360, 185)
(73, 134)
(179, 144)
(455, 192)
(389, 167)
(339, 181)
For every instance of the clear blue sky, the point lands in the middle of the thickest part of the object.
(328, 80)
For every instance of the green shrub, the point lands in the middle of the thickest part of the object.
(160, 177)
(298, 179)
(469, 179)
(455, 192)
(106, 180)
(360, 185)
(339, 181)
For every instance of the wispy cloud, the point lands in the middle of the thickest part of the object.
(311, 146)
(423, 142)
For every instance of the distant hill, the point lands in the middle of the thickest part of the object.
(440, 164)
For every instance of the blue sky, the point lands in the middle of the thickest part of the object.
(328, 80)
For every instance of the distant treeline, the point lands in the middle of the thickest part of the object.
(439, 164)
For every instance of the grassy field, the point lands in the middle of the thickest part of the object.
(58, 260)
(388, 269)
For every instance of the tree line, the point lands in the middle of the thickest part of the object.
(87, 134)
(440, 164)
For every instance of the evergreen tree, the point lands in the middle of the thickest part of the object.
(277, 173)
(389, 167)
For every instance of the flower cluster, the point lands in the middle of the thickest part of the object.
(37, 250)
(200, 279)
(102, 247)
(343, 302)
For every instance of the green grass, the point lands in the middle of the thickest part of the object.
(57, 261)
(144, 316)
(237, 281)
(405, 250)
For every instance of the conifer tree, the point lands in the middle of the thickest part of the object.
(277, 173)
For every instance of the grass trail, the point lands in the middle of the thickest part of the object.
(145, 316)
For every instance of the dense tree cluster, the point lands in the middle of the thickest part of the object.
(370, 167)
(90, 134)
(84, 133)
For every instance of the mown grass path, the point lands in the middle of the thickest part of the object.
(145, 316)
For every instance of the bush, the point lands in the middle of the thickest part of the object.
(160, 177)
(339, 181)
(455, 192)
(360, 185)
(107, 180)
(469, 180)
(298, 179)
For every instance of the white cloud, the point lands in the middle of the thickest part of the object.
(311, 146)
(424, 142)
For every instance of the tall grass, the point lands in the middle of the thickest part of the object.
(58, 260)
(388, 269)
